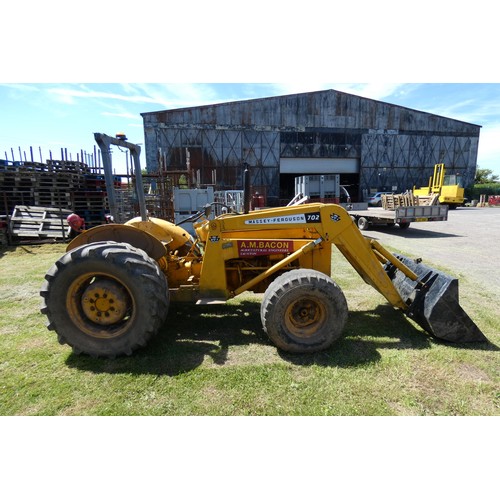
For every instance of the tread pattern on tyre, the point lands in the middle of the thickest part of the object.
(292, 282)
(142, 274)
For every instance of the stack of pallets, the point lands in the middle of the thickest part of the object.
(17, 185)
(48, 184)
(424, 201)
(91, 200)
(58, 184)
(408, 199)
(393, 201)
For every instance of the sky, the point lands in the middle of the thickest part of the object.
(54, 116)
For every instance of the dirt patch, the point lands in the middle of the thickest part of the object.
(472, 373)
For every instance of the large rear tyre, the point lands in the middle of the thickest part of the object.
(105, 299)
(303, 311)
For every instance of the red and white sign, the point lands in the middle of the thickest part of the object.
(252, 248)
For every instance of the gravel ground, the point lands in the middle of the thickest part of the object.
(468, 244)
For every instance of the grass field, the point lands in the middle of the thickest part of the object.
(217, 360)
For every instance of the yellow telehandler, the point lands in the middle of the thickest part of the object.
(110, 293)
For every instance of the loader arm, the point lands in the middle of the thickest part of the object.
(427, 296)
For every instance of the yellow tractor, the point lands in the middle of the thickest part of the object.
(448, 188)
(110, 293)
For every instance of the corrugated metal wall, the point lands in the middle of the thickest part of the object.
(395, 146)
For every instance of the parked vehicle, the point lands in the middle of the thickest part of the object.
(376, 199)
(403, 216)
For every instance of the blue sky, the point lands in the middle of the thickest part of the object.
(51, 116)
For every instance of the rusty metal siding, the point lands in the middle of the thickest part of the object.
(408, 160)
(329, 108)
(325, 124)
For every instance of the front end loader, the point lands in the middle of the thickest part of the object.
(110, 293)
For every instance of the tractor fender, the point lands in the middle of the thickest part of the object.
(122, 233)
(163, 230)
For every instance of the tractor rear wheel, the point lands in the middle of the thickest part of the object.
(105, 299)
(303, 311)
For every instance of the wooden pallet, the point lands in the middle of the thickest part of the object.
(424, 201)
(39, 222)
(393, 201)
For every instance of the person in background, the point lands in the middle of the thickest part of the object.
(76, 223)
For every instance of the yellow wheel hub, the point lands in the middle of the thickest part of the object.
(304, 317)
(104, 302)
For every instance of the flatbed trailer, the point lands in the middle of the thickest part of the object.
(403, 216)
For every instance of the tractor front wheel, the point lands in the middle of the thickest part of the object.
(303, 311)
(105, 299)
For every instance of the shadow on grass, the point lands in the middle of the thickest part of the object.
(191, 333)
(8, 249)
(365, 334)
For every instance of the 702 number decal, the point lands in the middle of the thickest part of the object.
(313, 217)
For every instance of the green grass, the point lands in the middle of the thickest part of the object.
(217, 360)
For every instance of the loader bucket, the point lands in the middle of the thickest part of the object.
(433, 302)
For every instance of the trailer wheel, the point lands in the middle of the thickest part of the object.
(404, 225)
(363, 223)
(303, 311)
(105, 299)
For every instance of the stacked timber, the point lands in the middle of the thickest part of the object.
(393, 201)
(90, 201)
(48, 184)
(408, 199)
(57, 184)
(424, 201)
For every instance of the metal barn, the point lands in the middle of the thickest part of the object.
(372, 145)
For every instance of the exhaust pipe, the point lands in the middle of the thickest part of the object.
(246, 190)
(433, 302)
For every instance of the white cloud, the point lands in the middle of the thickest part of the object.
(176, 95)
(123, 115)
(376, 91)
(163, 95)
(68, 93)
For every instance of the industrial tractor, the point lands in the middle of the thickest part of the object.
(110, 293)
